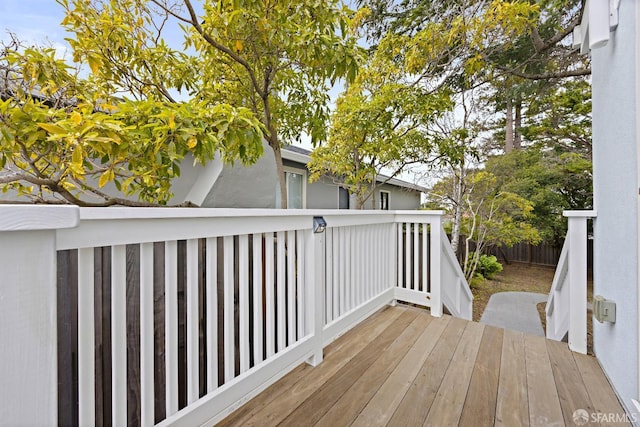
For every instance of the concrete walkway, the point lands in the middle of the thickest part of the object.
(515, 310)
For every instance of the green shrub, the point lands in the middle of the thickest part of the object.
(477, 281)
(489, 267)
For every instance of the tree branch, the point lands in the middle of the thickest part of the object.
(547, 76)
(222, 48)
(541, 45)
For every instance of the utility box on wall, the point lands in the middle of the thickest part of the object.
(604, 310)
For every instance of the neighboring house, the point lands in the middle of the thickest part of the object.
(615, 55)
(256, 186)
(216, 185)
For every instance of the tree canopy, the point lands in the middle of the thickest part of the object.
(380, 124)
(63, 138)
(247, 71)
(275, 58)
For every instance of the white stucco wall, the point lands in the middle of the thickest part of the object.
(615, 138)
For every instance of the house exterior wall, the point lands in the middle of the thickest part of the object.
(322, 194)
(241, 186)
(615, 77)
(399, 198)
(254, 186)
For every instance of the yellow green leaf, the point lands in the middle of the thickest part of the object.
(76, 118)
(114, 137)
(94, 64)
(104, 178)
(51, 128)
(76, 157)
(239, 45)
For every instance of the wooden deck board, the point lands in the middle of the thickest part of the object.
(365, 387)
(449, 402)
(602, 396)
(544, 406)
(403, 367)
(572, 392)
(480, 406)
(381, 407)
(512, 408)
(290, 391)
(312, 409)
(414, 407)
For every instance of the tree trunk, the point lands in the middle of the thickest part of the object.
(274, 143)
(517, 127)
(277, 154)
(457, 213)
(373, 197)
(508, 131)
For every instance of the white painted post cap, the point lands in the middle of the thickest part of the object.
(580, 214)
(38, 217)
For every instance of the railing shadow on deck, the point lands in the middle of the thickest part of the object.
(180, 315)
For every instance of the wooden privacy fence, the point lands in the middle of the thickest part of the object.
(544, 253)
(177, 316)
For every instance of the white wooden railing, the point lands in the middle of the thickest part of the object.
(566, 309)
(242, 297)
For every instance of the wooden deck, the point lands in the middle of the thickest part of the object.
(403, 367)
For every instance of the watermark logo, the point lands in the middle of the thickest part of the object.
(580, 417)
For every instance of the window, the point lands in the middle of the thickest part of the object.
(343, 198)
(296, 180)
(384, 200)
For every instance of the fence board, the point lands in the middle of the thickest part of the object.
(158, 331)
(67, 337)
(132, 310)
(545, 253)
(103, 279)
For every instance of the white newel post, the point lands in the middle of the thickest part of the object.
(436, 266)
(577, 272)
(314, 284)
(28, 350)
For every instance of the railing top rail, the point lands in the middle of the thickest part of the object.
(558, 277)
(448, 252)
(38, 217)
(115, 213)
(120, 225)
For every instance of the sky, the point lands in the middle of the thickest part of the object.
(34, 22)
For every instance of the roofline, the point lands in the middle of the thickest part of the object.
(295, 156)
